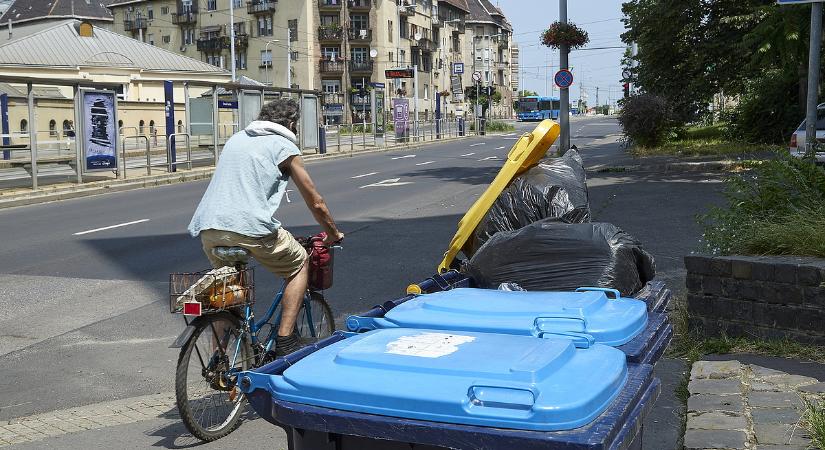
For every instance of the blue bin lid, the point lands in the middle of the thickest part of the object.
(468, 378)
(610, 321)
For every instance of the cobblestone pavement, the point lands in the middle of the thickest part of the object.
(745, 406)
(91, 417)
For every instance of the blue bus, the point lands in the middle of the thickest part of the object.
(538, 108)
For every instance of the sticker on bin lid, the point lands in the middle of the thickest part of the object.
(427, 345)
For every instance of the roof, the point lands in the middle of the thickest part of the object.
(460, 4)
(482, 11)
(31, 10)
(36, 47)
(242, 80)
(39, 91)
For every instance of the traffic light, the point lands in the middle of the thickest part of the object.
(626, 90)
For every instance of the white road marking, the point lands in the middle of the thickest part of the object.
(425, 163)
(364, 175)
(500, 148)
(478, 143)
(387, 183)
(489, 158)
(469, 154)
(512, 138)
(110, 227)
(405, 156)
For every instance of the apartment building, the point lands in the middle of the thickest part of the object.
(339, 47)
(488, 51)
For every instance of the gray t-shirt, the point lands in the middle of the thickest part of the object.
(247, 186)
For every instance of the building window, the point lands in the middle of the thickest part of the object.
(390, 57)
(150, 13)
(238, 3)
(240, 61)
(330, 53)
(426, 91)
(152, 129)
(265, 26)
(292, 25)
(359, 54)
(331, 86)
(180, 126)
(150, 38)
(390, 31)
(403, 29)
(360, 22)
(24, 126)
(67, 126)
(187, 6)
(164, 10)
(327, 20)
(211, 5)
(52, 128)
(166, 39)
(140, 126)
(188, 36)
(266, 58)
(119, 124)
(294, 56)
(402, 54)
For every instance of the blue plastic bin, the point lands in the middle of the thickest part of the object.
(594, 314)
(479, 391)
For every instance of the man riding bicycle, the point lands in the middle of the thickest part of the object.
(239, 205)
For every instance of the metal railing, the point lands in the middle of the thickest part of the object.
(148, 152)
(349, 137)
(261, 6)
(171, 144)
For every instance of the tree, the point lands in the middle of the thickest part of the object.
(526, 93)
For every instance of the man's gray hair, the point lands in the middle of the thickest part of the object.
(281, 111)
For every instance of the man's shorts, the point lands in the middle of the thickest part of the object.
(279, 252)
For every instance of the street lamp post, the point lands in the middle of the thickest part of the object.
(266, 66)
(564, 93)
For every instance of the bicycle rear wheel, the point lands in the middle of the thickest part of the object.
(315, 320)
(209, 402)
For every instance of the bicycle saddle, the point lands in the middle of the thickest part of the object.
(231, 255)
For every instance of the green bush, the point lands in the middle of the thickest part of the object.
(645, 120)
(494, 126)
(774, 207)
(767, 111)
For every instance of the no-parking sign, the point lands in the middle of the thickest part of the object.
(563, 78)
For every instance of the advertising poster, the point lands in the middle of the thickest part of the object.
(99, 131)
(401, 117)
(380, 117)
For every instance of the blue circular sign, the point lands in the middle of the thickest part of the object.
(563, 78)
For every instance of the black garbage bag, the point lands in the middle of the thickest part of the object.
(550, 255)
(554, 189)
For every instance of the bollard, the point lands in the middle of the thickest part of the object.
(322, 140)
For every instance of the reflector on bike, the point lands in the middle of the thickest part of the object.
(192, 309)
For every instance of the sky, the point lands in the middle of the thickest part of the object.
(591, 68)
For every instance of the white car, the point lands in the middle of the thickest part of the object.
(797, 146)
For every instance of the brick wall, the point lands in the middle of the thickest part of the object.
(757, 296)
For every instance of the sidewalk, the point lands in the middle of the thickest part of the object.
(136, 178)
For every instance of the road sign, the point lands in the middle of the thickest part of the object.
(476, 76)
(458, 68)
(563, 79)
(626, 74)
(378, 85)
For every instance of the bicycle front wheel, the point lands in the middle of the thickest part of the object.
(315, 319)
(208, 399)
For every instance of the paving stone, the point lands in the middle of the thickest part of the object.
(774, 400)
(764, 372)
(781, 447)
(764, 386)
(774, 415)
(715, 369)
(707, 386)
(780, 434)
(716, 421)
(709, 402)
(705, 439)
(792, 381)
(817, 388)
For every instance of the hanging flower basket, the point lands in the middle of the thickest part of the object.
(564, 34)
(445, 93)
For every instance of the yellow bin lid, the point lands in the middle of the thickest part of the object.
(526, 153)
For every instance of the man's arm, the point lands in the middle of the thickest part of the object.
(294, 165)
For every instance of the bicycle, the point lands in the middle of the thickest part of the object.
(226, 339)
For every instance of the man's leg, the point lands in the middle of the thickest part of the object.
(294, 291)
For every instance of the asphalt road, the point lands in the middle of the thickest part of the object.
(84, 312)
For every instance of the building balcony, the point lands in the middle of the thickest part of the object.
(261, 6)
(361, 100)
(212, 44)
(359, 35)
(361, 66)
(185, 18)
(425, 44)
(135, 24)
(241, 40)
(332, 98)
(330, 33)
(332, 66)
(330, 4)
(359, 5)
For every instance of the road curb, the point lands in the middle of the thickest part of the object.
(699, 166)
(47, 195)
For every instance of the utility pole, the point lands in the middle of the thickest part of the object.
(813, 77)
(564, 110)
(232, 36)
(288, 57)
(597, 99)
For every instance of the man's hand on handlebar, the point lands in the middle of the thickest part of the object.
(333, 238)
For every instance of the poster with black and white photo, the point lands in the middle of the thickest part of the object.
(99, 131)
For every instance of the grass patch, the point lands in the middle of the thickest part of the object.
(494, 126)
(813, 420)
(701, 141)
